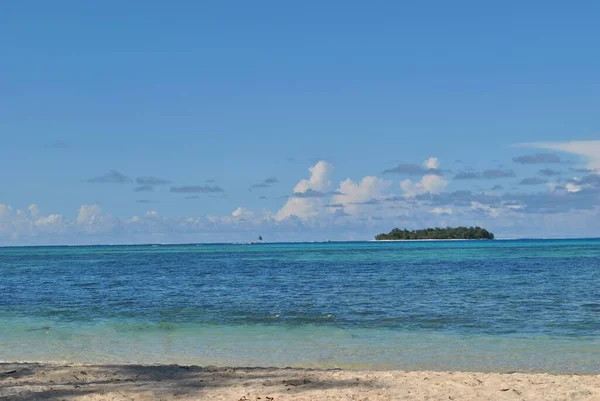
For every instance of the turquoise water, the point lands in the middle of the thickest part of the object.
(524, 305)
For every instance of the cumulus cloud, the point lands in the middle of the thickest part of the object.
(113, 176)
(316, 206)
(354, 195)
(203, 189)
(5, 210)
(34, 211)
(588, 182)
(306, 207)
(573, 187)
(53, 222)
(579, 197)
(538, 158)
(432, 163)
(431, 183)
(91, 219)
(15, 224)
(149, 180)
(93, 225)
(242, 213)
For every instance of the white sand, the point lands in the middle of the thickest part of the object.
(137, 382)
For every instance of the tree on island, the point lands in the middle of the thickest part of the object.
(437, 233)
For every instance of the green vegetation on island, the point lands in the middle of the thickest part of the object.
(436, 233)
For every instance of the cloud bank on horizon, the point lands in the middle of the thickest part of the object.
(558, 202)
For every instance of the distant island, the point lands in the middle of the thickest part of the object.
(436, 233)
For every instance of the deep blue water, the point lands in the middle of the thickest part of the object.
(478, 305)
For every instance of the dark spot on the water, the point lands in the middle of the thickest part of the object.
(10, 372)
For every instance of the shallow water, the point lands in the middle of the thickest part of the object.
(526, 305)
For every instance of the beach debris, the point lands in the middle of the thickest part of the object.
(504, 389)
(296, 382)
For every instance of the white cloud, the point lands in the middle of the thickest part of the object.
(432, 163)
(357, 209)
(441, 210)
(572, 187)
(87, 213)
(51, 221)
(242, 213)
(18, 224)
(430, 183)
(92, 219)
(307, 207)
(319, 178)
(589, 150)
(487, 209)
(5, 210)
(353, 195)
(34, 210)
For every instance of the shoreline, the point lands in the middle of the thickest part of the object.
(49, 381)
(295, 367)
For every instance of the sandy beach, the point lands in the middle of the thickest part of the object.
(173, 382)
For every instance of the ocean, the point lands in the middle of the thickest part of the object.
(503, 305)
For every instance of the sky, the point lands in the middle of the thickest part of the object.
(186, 121)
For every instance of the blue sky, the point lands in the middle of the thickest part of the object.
(205, 100)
